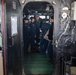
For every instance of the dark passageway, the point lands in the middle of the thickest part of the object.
(36, 61)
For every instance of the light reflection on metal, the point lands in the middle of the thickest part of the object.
(38, 0)
(64, 15)
(65, 8)
(22, 1)
(54, 2)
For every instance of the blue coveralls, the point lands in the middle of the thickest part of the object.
(26, 37)
(37, 24)
(44, 42)
(50, 47)
(33, 35)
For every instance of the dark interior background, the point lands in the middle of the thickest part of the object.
(31, 7)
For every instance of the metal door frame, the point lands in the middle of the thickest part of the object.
(55, 21)
(21, 34)
(4, 36)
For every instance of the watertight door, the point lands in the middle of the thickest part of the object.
(14, 42)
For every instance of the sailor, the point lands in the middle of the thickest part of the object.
(49, 37)
(33, 33)
(43, 42)
(37, 23)
(26, 35)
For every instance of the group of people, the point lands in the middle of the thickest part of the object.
(38, 33)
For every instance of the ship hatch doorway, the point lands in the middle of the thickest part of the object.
(36, 32)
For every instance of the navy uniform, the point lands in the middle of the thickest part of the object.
(33, 34)
(26, 36)
(37, 23)
(44, 42)
(50, 36)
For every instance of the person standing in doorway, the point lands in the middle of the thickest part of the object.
(37, 24)
(33, 34)
(43, 42)
(26, 35)
(49, 37)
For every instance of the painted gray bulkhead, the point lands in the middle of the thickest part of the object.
(63, 39)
